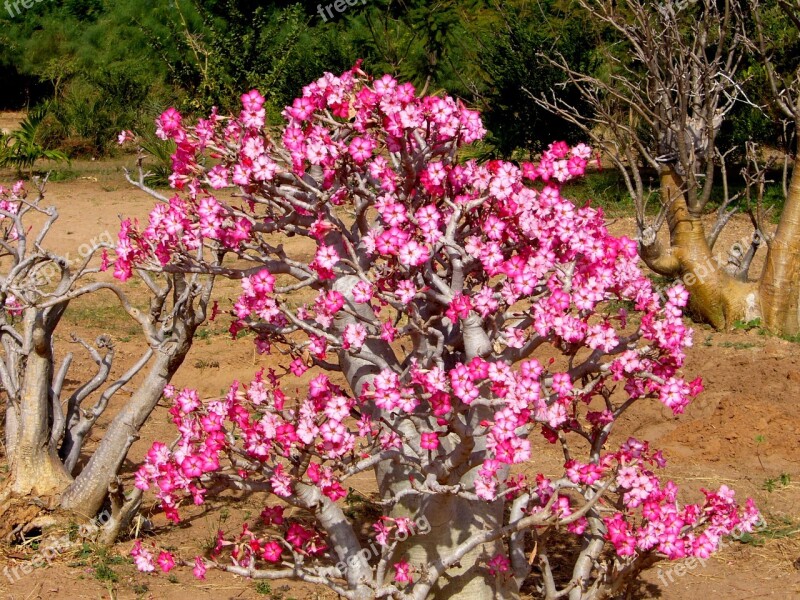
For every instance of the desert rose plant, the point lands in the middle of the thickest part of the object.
(48, 425)
(457, 318)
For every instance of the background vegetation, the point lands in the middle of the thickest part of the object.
(101, 66)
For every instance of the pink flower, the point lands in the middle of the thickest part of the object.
(402, 572)
(165, 561)
(169, 124)
(199, 570)
(124, 136)
(675, 394)
(281, 483)
(354, 336)
(272, 552)
(362, 292)
(361, 149)
(272, 514)
(143, 559)
(192, 466)
(298, 367)
(252, 100)
(429, 441)
(459, 307)
(499, 564)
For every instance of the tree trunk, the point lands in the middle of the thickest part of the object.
(36, 469)
(714, 296)
(780, 280)
(452, 520)
(89, 490)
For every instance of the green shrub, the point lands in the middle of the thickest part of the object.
(22, 148)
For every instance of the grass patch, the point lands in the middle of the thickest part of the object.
(605, 189)
(100, 560)
(795, 339)
(755, 324)
(111, 317)
(779, 528)
(773, 483)
(203, 364)
(103, 572)
(64, 175)
(263, 587)
(739, 345)
(140, 589)
(747, 325)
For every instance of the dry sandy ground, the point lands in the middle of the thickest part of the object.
(10, 120)
(743, 431)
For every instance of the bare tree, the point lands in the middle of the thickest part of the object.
(672, 78)
(46, 427)
(779, 288)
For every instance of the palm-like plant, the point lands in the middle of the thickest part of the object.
(21, 149)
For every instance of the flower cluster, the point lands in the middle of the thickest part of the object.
(9, 206)
(435, 280)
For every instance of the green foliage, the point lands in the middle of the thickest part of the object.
(738, 345)
(235, 45)
(97, 65)
(755, 324)
(107, 66)
(431, 44)
(794, 339)
(63, 175)
(103, 572)
(160, 152)
(606, 189)
(263, 587)
(514, 56)
(779, 528)
(747, 325)
(773, 483)
(22, 148)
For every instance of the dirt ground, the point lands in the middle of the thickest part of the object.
(10, 120)
(744, 431)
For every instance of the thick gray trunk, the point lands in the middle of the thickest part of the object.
(89, 490)
(36, 468)
(452, 520)
(12, 428)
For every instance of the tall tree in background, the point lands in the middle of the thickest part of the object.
(779, 287)
(277, 47)
(419, 41)
(510, 54)
(671, 78)
(105, 67)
